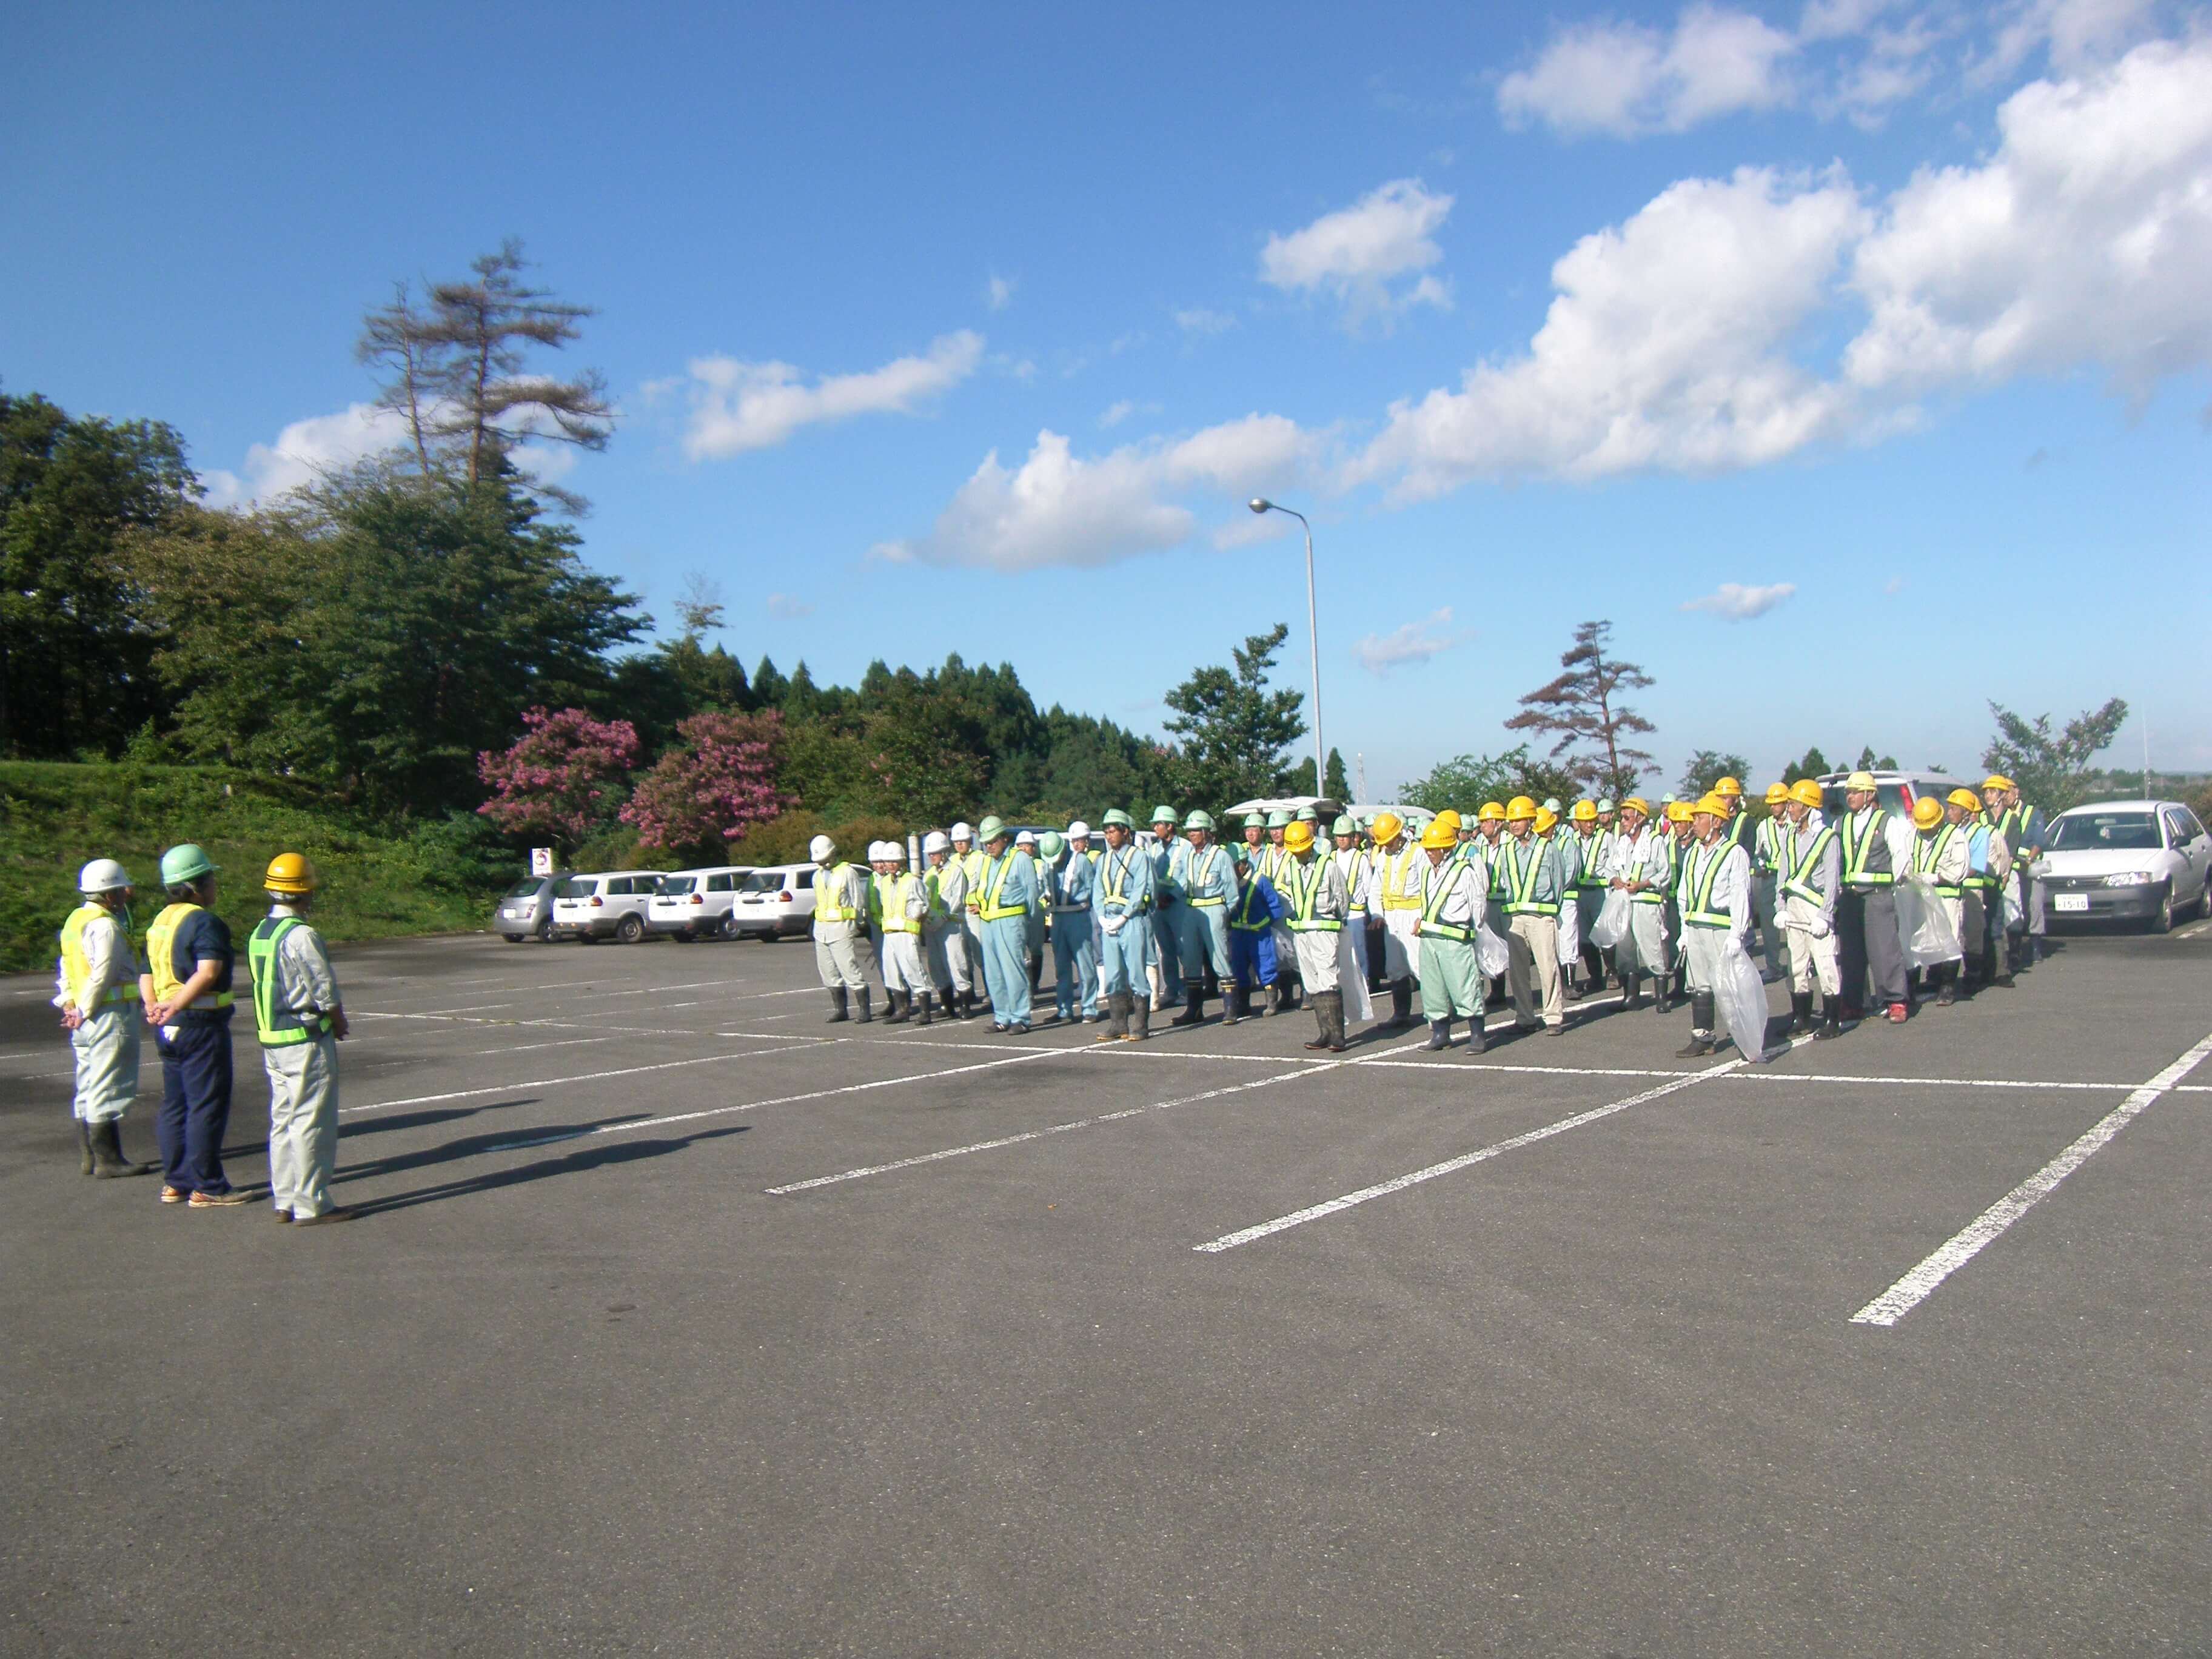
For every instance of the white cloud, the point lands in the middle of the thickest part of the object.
(784, 607)
(1669, 346)
(1626, 79)
(1121, 411)
(1359, 253)
(1416, 641)
(738, 406)
(1733, 602)
(2075, 34)
(999, 292)
(304, 451)
(1057, 508)
(1198, 320)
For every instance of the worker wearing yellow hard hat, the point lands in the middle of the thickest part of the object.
(1643, 872)
(300, 1019)
(1319, 907)
(1357, 866)
(1938, 875)
(1715, 893)
(1988, 868)
(1527, 872)
(1452, 906)
(1808, 860)
(1399, 891)
(2027, 834)
(1586, 859)
(1757, 842)
(1877, 851)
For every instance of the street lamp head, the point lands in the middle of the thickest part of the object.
(1261, 503)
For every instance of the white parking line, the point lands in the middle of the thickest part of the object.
(1909, 1291)
(555, 1082)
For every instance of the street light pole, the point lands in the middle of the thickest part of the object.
(1261, 504)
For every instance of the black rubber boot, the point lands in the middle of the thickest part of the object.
(1118, 1016)
(83, 1146)
(1439, 1035)
(1402, 1004)
(1660, 999)
(1232, 1005)
(1144, 1021)
(1036, 974)
(1630, 994)
(922, 1014)
(1323, 1035)
(1701, 1020)
(1331, 1004)
(1947, 978)
(952, 1004)
(1831, 1027)
(896, 1009)
(970, 1006)
(1194, 1006)
(1800, 1012)
(837, 1005)
(1474, 1037)
(866, 1015)
(108, 1163)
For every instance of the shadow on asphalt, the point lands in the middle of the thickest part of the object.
(575, 1163)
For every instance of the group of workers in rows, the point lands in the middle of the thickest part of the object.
(182, 990)
(1543, 904)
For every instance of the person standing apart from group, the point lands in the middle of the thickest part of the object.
(187, 996)
(841, 920)
(96, 989)
(299, 1019)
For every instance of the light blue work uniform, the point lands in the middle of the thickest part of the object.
(1074, 958)
(1208, 882)
(1124, 890)
(1006, 891)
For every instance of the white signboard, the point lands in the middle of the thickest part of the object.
(541, 861)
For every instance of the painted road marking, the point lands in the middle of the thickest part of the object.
(558, 1082)
(2192, 930)
(1909, 1291)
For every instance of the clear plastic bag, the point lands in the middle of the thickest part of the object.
(1571, 931)
(1611, 926)
(1496, 957)
(1924, 927)
(1740, 998)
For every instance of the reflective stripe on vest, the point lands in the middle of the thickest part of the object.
(1594, 848)
(1198, 871)
(276, 1028)
(1521, 882)
(1394, 867)
(1697, 908)
(889, 895)
(1353, 902)
(971, 865)
(1243, 916)
(836, 909)
(77, 967)
(1800, 883)
(1114, 879)
(161, 957)
(1933, 848)
(1858, 846)
(994, 882)
(1640, 871)
(1428, 926)
(1305, 881)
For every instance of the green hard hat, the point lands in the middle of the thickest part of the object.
(188, 862)
(1199, 818)
(1552, 805)
(1051, 845)
(1307, 815)
(1162, 815)
(1344, 826)
(1604, 804)
(1279, 820)
(1115, 815)
(990, 829)
(1240, 854)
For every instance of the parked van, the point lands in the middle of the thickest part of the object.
(776, 901)
(1893, 791)
(610, 904)
(696, 903)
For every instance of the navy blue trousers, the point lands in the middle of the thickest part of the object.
(195, 1107)
(1252, 957)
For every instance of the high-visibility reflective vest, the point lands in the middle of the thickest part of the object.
(1198, 871)
(77, 967)
(1863, 848)
(1979, 880)
(992, 907)
(1520, 887)
(971, 863)
(932, 887)
(828, 895)
(1303, 884)
(1353, 864)
(1799, 872)
(1654, 895)
(887, 897)
(1927, 853)
(1432, 907)
(1699, 870)
(1593, 848)
(1396, 866)
(161, 957)
(1739, 831)
(1113, 873)
(278, 1027)
(1249, 915)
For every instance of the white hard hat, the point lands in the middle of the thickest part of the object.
(820, 848)
(1025, 839)
(885, 849)
(963, 831)
(102, 876)
(934, 841)
(1078, 830)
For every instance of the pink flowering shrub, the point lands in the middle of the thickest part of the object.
(562, 778)
(710, 785)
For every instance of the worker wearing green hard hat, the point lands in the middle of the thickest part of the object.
(187, 995)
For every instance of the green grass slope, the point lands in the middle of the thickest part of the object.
(440, 877)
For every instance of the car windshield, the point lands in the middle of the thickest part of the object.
(527, 889)
(672, 885)
(2104, 832)
(762, 881)
(575, 887)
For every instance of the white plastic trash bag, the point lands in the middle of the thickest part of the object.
(1924, 927)
(1611, 924)
(1492, 950)
(1570, 931)
(1740, 1000)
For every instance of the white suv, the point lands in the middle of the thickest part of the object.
(776, 901)
(696, 903)
(611, 903)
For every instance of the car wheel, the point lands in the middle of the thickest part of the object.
(513, 939)
(2161, 920)
(546, 931)
(727, 929)
(630, 930)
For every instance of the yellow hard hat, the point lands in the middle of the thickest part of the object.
(289, 873)
(1546, 820)
(1776, 794)
(1678, 812)
(1449, 816)
(1387, 826)
(1518, 808)
(1297, 834)
(1636, 804)
(1490, 813)
(1860, 783)
(1965, 797)
(1439, 835)
(1584, 811)
(1995, 781)
(1711, 802)
(1927, 812)
(1728, 789)
(1806, 790)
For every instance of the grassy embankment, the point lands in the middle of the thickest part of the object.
(54, 816)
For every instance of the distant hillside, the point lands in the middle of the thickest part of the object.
(54, 816)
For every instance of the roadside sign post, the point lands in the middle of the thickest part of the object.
(541, 861)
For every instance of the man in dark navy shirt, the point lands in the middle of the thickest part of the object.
(187, 994)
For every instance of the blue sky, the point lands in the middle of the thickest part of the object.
(1878, 334)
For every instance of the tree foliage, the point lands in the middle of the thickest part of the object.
(711, 786)
(565, 779)
(1234, 729)
(2052, 768)
(1464, 782)
(1707, 767)
(1582, 711)
(1815, 765)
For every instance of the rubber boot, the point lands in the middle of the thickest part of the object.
(83, 1146)
(1701, 1020)
(1474, 1036)
(1118, 1016)
(922, 1014)
(1830, 1026)
(1333, 1014)
(1402, 1004)
(1144, 1030)
(1036, 974)
(866, 1015)
(970, 1006)
(896, 1009)
(1660, 999)
(1947, 977)
(837, 1005)
(1275, 1001)
(1194, 1004)
(952, 1004)
(1630, 990)
(1800, 1012)
(1439, 1035)
(108, 1163)
(1232, 1005)
(1319, 1003)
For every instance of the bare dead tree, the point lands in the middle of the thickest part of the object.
(1582, 710)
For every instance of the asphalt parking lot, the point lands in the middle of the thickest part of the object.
(679, 1322)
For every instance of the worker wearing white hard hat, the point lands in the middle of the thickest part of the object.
(898, 910)
(1069, 884)
(944, 929)
(841, 924)
(96, 990)
(1122, 901)
(1081, 844)
(968, 858)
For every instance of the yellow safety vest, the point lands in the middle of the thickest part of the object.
(1801, 872)
(832, 908)
(972, 862)
(76, 968)
(991, 910)
(1303, 881)
(1198, 869)
(889, 893)
(1394, 867)
(1521, 879)
(278, 1027)
(1593, 848)
(1697, 884)
(1859, 846)
(1927, 853)
(1428, 926)
(161, 957)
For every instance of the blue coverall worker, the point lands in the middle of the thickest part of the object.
(1123, 898)
(1167, 857)
(1207, 880)
(1259, 910)
(1005, 894)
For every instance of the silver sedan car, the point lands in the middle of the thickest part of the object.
(2126, 860)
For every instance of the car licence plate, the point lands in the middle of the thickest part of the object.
(2070, 901)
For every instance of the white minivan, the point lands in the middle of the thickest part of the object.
(776, 901)
(611, 903)
(696, 903)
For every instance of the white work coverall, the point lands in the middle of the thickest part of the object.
(900, 898)
(1647, 857)
(946, 930)
(1396, 895)
(1730, 893)
(1939, 854)
(303, 1077)
(837, 941)
(1358, 891)
(106, 1045)
(1806, 903)
(1324, 959)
